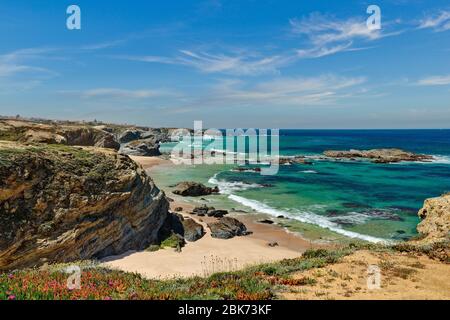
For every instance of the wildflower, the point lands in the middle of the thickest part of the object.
(11, 297)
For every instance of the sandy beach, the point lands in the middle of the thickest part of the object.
(209, 255)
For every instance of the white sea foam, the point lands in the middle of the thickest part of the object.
(440, 159)
(305, 217)
(227, 187)
(308, 171)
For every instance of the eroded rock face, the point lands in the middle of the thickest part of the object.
(379, 155)
(144, 148)
(435, 215)
(62, 204)
(193, 189)
(73, 135)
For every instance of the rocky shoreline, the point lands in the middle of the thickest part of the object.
(378, 155)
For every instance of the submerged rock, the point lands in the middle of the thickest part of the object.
(294, 160)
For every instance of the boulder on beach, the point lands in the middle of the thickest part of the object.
(227, 228)
(193, 231)
(193, 189)
(209, 211)
(187, 228)
(266, 221)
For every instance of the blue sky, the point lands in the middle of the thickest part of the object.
(264, 64)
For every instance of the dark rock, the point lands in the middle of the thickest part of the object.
(266, 221)
(129, 135)
(178, 209)
(194, 189)
(273, 244)
(202, 209)
(244, 169)
(192, 230)
(227, 228)
(344, 222)
(294, 160)
(186, 228)
(217, 213)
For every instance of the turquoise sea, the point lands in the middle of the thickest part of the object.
(354, 199)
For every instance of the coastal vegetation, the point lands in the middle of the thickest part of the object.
(260, 282)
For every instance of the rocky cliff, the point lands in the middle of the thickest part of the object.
(74, 134)
(435, 215)
(61, 204)
(131, 140)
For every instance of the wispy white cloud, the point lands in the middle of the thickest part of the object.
(435, 81)
(18, 69)
(438, 22)
(328, 35)
(116, 93)
(235, 64)
(104, 45)
(298, 91)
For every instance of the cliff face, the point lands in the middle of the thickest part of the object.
(61, 204)
(133, 140)
(435, 213)
(34, 132)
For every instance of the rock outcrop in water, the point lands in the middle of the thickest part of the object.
(379, 155)
(435, 215)
(61, 204)
(193, 189)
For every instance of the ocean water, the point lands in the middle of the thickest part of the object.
(373, 202)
